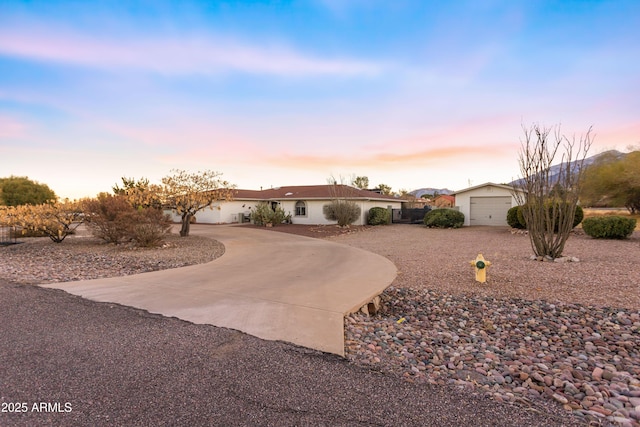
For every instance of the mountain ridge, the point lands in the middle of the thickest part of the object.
(421, 191)
(555, 171)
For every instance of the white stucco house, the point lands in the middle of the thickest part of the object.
(486, 204)
(304, 203)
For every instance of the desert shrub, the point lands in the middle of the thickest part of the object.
(513, 217)
(577, 219)
(279, 216)
(444, 218)
(264, 214)
(114, 220)
(520, 215)
(345, 212)
(609, 227)
(110, 218)
(54, 220)
(378, 216)
(149, 227)
(29, 232)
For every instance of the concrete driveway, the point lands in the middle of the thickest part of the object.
(276, 286)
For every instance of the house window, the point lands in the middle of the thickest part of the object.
(301, 208)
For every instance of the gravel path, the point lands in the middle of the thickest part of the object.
(538, 335)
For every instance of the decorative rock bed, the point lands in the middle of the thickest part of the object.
(586, 358)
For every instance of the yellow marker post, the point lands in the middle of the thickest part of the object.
(481, 268)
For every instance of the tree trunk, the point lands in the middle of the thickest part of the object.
(186, 224)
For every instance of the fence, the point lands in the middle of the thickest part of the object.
(7, 236)
(409, 216)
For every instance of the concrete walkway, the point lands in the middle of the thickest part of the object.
(276, 286)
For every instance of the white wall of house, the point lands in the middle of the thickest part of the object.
(222, 213)
(315, 213)
(228, 212)
(485, 204)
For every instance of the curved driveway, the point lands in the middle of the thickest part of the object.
(276, 286)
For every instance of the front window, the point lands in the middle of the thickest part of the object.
(301, 208)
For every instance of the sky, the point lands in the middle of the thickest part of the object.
(411, 94)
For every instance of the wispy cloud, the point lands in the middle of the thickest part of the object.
(621, 136)
(185, 54)
(11, 127)
(390, 159)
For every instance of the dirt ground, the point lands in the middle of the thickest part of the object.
(317, 231)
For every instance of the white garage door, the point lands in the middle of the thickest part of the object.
(489, 210)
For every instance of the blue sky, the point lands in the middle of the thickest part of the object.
(408, 93)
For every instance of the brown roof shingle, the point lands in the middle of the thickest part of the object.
(297, 192)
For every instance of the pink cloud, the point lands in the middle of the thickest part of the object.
(11, 128)
(193, 54)
(619, 137)
(391, 159)
(499, 129)
(182, 138)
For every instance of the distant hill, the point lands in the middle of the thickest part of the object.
(555, 170)
(418, 193)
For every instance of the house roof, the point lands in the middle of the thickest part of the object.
(486, 184)
(448, 197)
(323, 192)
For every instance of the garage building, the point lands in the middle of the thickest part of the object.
(486, 204)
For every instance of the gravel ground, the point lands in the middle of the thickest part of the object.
(107, 365)
(538, 336)
(565, 332)
(80, 257)
(607, 274)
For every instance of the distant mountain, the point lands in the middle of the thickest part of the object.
(418, 193)
(555, 170)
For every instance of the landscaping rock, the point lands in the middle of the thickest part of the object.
(585, 358)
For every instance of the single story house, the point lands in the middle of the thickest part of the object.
(486, 204)
(303, 202)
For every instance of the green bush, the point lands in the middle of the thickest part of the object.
(264, 214)
(577, 219)
(609, 227)
(520, 215)
(444, 218)
(20, 190)
(579, 216)
(378, 216)
(513, 217)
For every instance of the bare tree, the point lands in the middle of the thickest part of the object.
(549, 193)
(188, 193)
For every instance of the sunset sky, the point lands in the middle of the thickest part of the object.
(409, 93)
